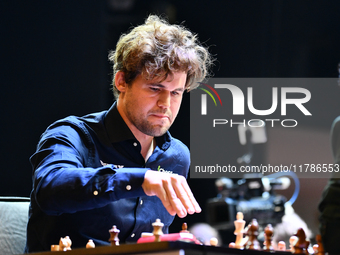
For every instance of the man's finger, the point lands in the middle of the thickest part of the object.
(191, 197)
(182, 194)
(174, 200)
(173, 191)
(162, 195)
(185, 194)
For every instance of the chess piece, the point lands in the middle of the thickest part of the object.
(157, 230)
(54, 247)
(62, 244)
(68, 243)
(213, 241)
(281, 246)
(268, 232)
(321, 249)
(184, 228)
(114, 240)
(301, 245)
(292, 241)
(90, 244)
(232, 245)
(239, 230)
(65, 244)
(252, 233)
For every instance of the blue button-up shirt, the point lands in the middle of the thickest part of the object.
(87, 177)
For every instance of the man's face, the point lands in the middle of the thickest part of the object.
(152, 106)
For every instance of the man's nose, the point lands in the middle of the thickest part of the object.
(164, 99)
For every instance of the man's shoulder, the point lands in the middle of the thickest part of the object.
(74, 127)
(179, 148)
(80, 122)
(181, 155)
(92, 118)
(179, 144)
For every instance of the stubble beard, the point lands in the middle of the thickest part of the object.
(146, 127)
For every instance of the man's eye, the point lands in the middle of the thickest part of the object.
(176, 93)
(154, 89)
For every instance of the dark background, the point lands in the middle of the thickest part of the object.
(54, 61)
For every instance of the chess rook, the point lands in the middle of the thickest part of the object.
(54, 247)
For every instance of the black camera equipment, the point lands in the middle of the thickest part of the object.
(249, 196)
(253, 195)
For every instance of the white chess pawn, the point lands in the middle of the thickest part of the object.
(213, 241)
(281, 246)
(231, 245)
(90, 244)
(239, 229)
(292, 242)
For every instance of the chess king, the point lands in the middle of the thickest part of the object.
(100, 170)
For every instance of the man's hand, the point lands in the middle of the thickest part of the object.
(173, 190)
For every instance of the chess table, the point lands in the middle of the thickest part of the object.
(162, 248)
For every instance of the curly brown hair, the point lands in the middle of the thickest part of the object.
(157, 49)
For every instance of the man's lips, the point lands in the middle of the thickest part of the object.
(161, 116)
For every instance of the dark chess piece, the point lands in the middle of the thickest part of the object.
(252, 233)
(320, 249)
(184, 228)
(301, 245)
(268, 232)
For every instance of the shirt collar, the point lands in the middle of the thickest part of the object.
(118, 131)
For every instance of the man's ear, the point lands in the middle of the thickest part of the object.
(120, 81)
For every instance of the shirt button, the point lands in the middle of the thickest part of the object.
(133, 234)
(135, 144)
(95, 192)
(128, 187)
(141, 202)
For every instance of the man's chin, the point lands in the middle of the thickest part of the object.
(160, 132)
(157, 131)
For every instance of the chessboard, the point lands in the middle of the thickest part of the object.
(162, 248)
(184, 242)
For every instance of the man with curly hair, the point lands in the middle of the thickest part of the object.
(121, 167)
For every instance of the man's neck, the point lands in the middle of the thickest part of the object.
(145, 141)
(149, 151)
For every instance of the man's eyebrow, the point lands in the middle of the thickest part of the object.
(162, 86)
(157, 85)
